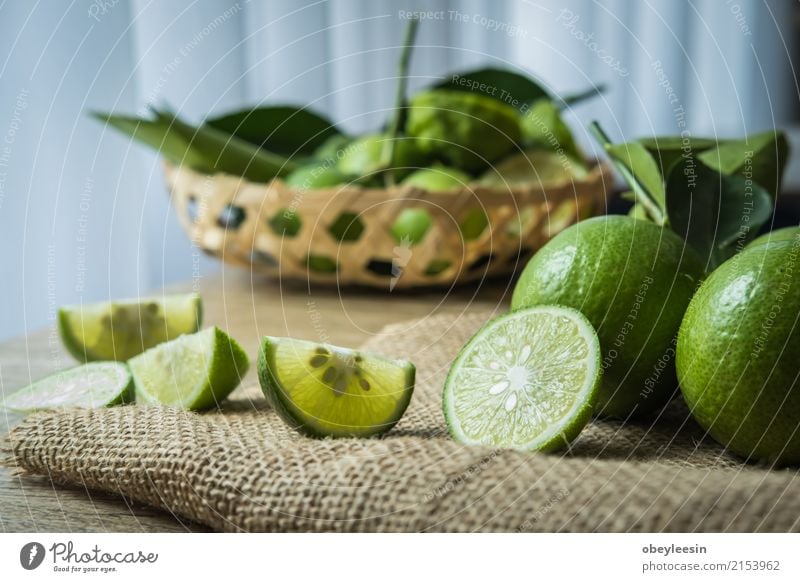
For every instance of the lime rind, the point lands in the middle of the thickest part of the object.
(193, 372)
(527, 380)
(326, 391)
(120, 330)
(93, 385)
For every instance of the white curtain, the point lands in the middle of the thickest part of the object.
(84, 215)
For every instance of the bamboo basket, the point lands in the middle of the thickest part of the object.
(342, 235)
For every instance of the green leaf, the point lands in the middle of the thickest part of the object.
(666, 150)
(287, 130)
(717, 214)
(507, 86)
(205, 148)
(762, 156)
(642, 174)
(543, 127)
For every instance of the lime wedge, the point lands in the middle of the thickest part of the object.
(194, 371)
(119, 330)
(527, 380)
(89, 386)
(322, 390)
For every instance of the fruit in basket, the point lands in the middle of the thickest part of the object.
(468, 130)
(119, 330)
(314, 176)
(527, 380)
(633, 280)
(533, 166)
(789, 233)
(328, 391)
(369, 154)
(738, 349)
(437, 178)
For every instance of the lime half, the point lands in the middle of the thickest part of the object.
(322, 390)
(119, 330)
(527, 380)
(194, 371)
(89, 386)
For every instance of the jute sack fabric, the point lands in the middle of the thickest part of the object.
(241, 469)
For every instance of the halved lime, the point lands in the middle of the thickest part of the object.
(194, 371)
(322, 390)
(88, 386)
(119, 330)
(527, 380)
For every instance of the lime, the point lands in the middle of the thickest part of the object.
(437, 179)
(537, 166)
(468, 130)
(194, 372)
(738, 349)
(633, 280)
(119, 330)
(411, 226)
(322, 390)
(789, 233)
(88, 386)
(315, 176)
(527, 380)
(367, 155)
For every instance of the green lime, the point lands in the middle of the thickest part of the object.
(789, 233)
(537, 166)
(321, 264)
(527, 380)
(411, 226)
(88, 386)
(322, 390)
(332, 147)
(633, 280)
(738, 350)
(438, 179)
(119, 330)
(315, 176)
(194, 371)
(368, 154)
(543, 128)
(468, 130)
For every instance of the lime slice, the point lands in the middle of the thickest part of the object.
(89, 386)
(194, 371)
(323, 390)
(527, 380)
(120, 330)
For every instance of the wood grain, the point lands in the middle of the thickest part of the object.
(248, 308)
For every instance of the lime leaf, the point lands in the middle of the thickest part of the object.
(88, 386)
(501, 84)
(715, 213)
(285, 130)
(666, 150)
(642, 173)
(762, 156)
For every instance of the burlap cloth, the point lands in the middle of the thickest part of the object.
(242, 469)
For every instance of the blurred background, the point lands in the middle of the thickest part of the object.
(84, 214)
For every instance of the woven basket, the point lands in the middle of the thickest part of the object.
(346, 231)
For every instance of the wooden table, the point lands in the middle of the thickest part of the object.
(247, 308)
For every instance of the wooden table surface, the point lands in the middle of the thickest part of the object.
(248, 308)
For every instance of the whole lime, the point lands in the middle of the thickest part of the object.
(314, 176)
(437, 178)
(367, 155)
(468, 130)
(633, 280)
(738, 350)
(782, 234)
(531, 167)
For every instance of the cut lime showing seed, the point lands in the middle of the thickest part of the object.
(88, 386)
(527, 380)
(323, 390)
(119, 330)
(194, 371)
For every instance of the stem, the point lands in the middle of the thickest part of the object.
(641, 195)
(400, 99)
